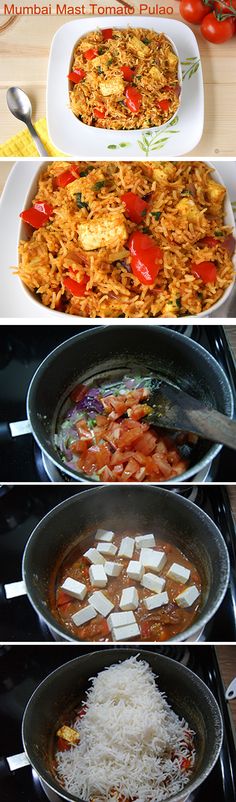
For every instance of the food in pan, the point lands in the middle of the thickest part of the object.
(127, 239)
(103, 432)
(125, 586)
(132, 745)
(124, 79)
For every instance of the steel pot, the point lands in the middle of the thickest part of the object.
(141, 508)
(62, 690)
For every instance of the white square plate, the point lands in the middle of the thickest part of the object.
(82, 141)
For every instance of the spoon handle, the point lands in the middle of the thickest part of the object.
(175, 409)
(37, 141)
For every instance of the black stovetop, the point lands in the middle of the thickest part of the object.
(22, 669)
(23, 349)
(21, 508)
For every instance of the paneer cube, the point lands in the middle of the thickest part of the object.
(152, 602)
(112, 569)
(129, 599)
(144, 540)
(84, 615)
(178, 573)
(68, 734)
(135, 570)
(126, 547)
(105, 535)
(138, 47)
(165, 171)
(152, 582)
(172, 60)
(107, 548)
(157, 76)
(187, 596)
(125, 633)
(93, 556)
(97, 576)
(155, 560)
(103, 231)
(190, 211)
(100, 603)
(215, 194)
(112, 86)
(74, 588)
(120, 619)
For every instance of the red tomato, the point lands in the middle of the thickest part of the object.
(193, 10)
(107, 33)
(217, 31)
(76, 76)
(63, 598)
(147, 257)
(128, 74)
(163, 104)
(206, 271)
(135, 206)
(211, 241)
(225, 9)
(90, 54)
(76, 287)
(133, 99)
(100, 113)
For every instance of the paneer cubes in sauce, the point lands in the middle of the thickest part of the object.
(125, 586)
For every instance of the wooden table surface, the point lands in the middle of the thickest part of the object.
(24, 50)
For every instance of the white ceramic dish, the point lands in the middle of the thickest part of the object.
(86, 142)
(17, 301)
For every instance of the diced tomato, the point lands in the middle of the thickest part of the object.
(107, 33)
(146, 443)
(211, 241)
(133, 99)
(63, 746)
(162, 465)
(103, 456)
(77, 288)
(34, 217)
(147, 257)
(100, 113)
(129, 470)
(78, 392)
(185, 763)
(63, 598)
(135, 206)
(91, 53)
(83, 430)
(145, 629)
(82, 712)
(163, 104)
(128, 73)
(206, 271)
(104, 628)
(139, 411)
(106, 475)
(61, 180)
(76, 76)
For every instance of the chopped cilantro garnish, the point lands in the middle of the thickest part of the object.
(145, 41)
(219, 233)
(145, 230)
(101, 51)
(80, 203)
(156, 215)
(99, 185)
(85, 172)
(100, 71)
(178, 302)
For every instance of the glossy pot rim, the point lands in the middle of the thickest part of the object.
(202, 619)
(164, 661)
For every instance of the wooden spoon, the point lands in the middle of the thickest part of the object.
(174, 409)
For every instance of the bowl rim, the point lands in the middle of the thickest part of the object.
(63, 316)
(180, 796)
(203, 618)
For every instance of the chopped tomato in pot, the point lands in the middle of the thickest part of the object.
(107, 33)
(206, 271)
(63, 598)
(128, 73)
(147, 257)
(62, 745)
(135, 207)
(76, 76)
(91, 53)
(133, 99)
(76, 287)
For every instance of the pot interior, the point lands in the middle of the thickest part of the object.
(141, 509)
(65, 688)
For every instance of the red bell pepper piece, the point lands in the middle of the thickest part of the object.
(128, 73)
(35, 217)
(163, 104)
(107, 33)
(211, 241)
(65, 178)
(133, 99)
(206, 271)
(100, 113)
(146, 257)
(91, 53)
(44, 207)
(136, 207)
(76, 76)
(77, 288)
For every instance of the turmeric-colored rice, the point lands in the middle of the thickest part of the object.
(86, 239)
(106, 69)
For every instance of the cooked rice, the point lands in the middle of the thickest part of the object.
(189, 205)
(132, 744)
(103, 87)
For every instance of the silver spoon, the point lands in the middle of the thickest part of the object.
(20, 106)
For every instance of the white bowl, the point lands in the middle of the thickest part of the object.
(25, 233)
(73, 137)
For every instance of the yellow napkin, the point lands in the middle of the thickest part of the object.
(22, 144)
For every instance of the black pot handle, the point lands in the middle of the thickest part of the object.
(17, 429)
(3, 600)
(4, 768)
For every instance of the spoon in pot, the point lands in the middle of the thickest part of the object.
(20, 106)
(174, 409)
